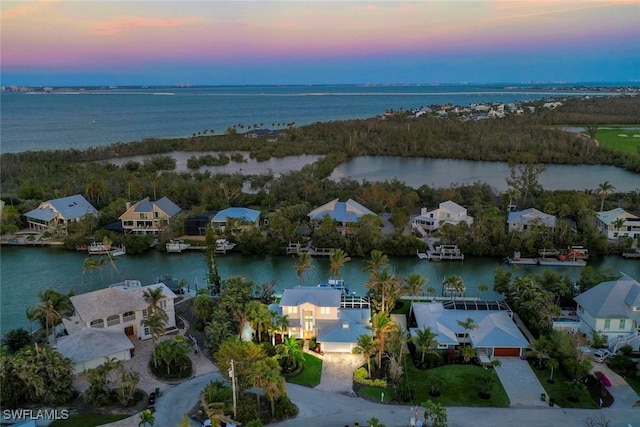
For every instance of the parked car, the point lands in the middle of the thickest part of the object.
(601, 355)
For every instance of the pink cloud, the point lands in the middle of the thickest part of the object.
(119, 24)
(24, 9)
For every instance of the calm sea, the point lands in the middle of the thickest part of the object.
(39, 121)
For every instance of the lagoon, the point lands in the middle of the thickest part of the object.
(443, 173)
(62, 270)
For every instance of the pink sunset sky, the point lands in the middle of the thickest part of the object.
(299, 42)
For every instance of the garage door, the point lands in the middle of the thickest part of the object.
(506, 351)
(336, 347)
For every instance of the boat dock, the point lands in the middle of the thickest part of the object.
(297, 248)
(632, 254)
(442, 253)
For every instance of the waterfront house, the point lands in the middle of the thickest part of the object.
(528, 218)
(344, 213)
(147, 217)
(57, 214)
(239, 215)
(324, 314)
(197, 225)
(613, 310)
(119, 310)
(618, 223)
(447, 213)
(496, 333)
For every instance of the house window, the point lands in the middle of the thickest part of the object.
(607, 324)
(113, 320)
(143, 215)
(325, 310)
(129, 316)
(98, 323)
(145, 314)
(622, 323)
(292, 310)
(156, 214)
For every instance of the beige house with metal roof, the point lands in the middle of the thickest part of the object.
(607, 222)
(106, 319)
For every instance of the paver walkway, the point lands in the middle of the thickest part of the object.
(520, 383)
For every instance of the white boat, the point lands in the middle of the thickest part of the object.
(176, 246)
(223, 245)
(97, 248)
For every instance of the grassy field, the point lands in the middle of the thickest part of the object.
(310, 375)
(613, 138)
(460, 386)
(89, 420)
(560, 389)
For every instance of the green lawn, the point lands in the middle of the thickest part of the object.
(460, 386)
(89, 420)
(634, 384)
(611, 138)
(560, 390)
(310, 375)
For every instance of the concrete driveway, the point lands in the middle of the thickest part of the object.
(623, 395)
(520, 383)
(337, 372)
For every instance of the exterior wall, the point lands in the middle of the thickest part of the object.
(90, 364)
(337, 347)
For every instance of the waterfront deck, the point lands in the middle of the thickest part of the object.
(441, 253)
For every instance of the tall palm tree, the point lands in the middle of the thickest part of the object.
(384, 289)
(482, 288)
(426, 340)
(156, 324)
(617, 225)
(153, 296)
(377, 262)
(290, 351)
(274, 388)
(337, 260)
(90, 264)
(304, 262)
(52, 308)
(365, 347)
(468, 325)
(381, 325)
(453, 284)
(413, 286)
(603, 191)
(282, 324)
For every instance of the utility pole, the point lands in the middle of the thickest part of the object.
(232, 375)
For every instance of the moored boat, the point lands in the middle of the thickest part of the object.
(97, 248)
(223, 245)
(176, 246)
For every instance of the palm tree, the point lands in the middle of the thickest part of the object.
(290, 351)
(384, 289)
(413, 286)
(153, 296)
(542, 347)
(552, 364)
(617, 225)
(482, 288)
(603, 191)
(381, 325)
(426, 340)
(337, 260)
(377, 262)
(431, 290)
(365, 347)
(282, 324)
(262, 373)
(453, 285)
(156, 324)
(468, 325)
(90, 264)
(52, 308)
(274, 387)
(32, 315)
(467, 353)
(304, 262)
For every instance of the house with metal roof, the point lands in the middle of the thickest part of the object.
(496, 333)
(344, 213)
(528, 218)
(447, 212)
(324, 313)
(57, 214)
(89, 347)
(147, 217)
(617, 223)
(613, 310)
(241, 215)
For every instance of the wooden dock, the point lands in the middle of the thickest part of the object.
(632, 255)
(442, 253)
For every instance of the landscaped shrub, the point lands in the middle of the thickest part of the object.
(362, 377)
(285, 408)
(247, 410)
(312, 344)
(626, 350)
(622, 365)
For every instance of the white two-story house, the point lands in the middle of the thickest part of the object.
(618, 223)
(613, 310)
(447, 213)
(320, 313)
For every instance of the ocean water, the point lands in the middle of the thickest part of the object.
(83, 119)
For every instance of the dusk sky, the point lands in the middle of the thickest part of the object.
(54, 43)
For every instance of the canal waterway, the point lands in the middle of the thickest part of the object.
(26, 270)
